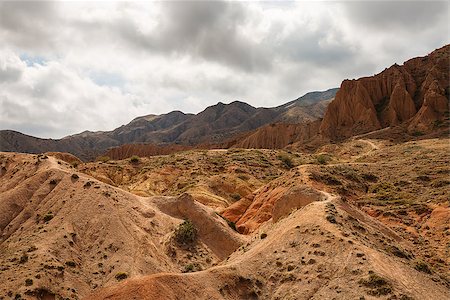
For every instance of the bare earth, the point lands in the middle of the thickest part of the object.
(367, 219)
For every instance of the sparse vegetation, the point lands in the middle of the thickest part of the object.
(378, 285)
(235, 196)
(135, 159)
(286, 160)
(323, 159)
(48, 217)
(121, 276)
(186, 233)
(28, 282)
(188, 268)
(24, 258)
(71, 264)
(422, 267)
(103, 158)
(263, 235)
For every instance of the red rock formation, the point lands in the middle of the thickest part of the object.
(416, 92)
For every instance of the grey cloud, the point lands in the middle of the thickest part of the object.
(312, 47)
(394, 15)
(29, 23)
(9, 74)
(203, 30)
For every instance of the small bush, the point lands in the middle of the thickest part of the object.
(103, 158)
(186, 233)
(417, 133)
(24, 258)
(369, 177)
(28, 282)
(378, 285)
(53, 182)
(75, 176)
(134, 159)
(263, 235)
(188, 268)
(235, 196)
(323, 159)
(71, 264)
(373, 281)
(422, 267)
(331, 219)
(286, 160)
(48, 217)
(121, 276)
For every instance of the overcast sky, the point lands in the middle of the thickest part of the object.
(70, 67)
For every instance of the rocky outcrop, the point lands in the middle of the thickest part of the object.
(416, 93)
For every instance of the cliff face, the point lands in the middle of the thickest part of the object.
(416, 92)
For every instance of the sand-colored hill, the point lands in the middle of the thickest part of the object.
(304, 256)
(324, 225)
(65, 234)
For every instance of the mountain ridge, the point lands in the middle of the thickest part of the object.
(214, 124)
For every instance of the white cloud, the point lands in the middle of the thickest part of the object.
(97, 65)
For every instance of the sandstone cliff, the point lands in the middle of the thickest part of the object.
(416, 92)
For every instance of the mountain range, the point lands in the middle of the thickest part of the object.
(213, 125)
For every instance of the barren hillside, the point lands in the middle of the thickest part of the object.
(331, 224)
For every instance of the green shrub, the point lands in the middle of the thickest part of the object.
(71, 264)
(134, 159)
(286, 160)
(121, 276)
(263, 235)
(103, 158)
(48, 217)
(28, 282)
(186, 233)
(378, 285)
(188, 268)
(323, 159)
(422, 267)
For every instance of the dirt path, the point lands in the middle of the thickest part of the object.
(370, 143)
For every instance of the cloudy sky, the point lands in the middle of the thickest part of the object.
(66, 67)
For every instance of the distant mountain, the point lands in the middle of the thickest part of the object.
(214, 125)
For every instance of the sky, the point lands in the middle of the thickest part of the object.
(66, 67)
